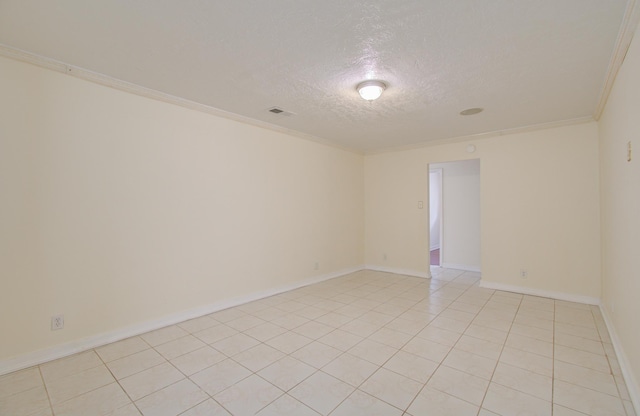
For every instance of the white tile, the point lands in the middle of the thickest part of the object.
(25, 402)
(290, 321)
(579, 343)
(449, 324)
(198, 360)
(313, 329)
(265, 331)
(529, 344)
(245, 322)
(437, 403)
(121, 349)
(128, 410)
(362, 404)
(322, 392)
(65, 388)
(172, 400)
(585, 400)
(390, 337)
(427, 349)
(70, 365)
(20, 381)
(340, 339)
(207, 408)
(160, 336)
(150, 380)
(286, 405)
(180, 346)
(565, 411)
(373, 351)
(577, 330)
(220, 376)
(391, 387)
(335, 319)
(585, 377)
(101, 401)
(439, 335)
(227, 315)
(470, 363)
(135, 363)
(235, 344)
(248, 396)
(360, 328)
(582, 358)
(479, 347)
(350, 369)
(460, 384)
(412, 366)
(505, 401)
(198, 324)
(215, 333)
(523, 380)
(487, 334)
(258, 357)
(289, 342)
(316, 354)
(406, 326)
(528, 361)
(532, 332)
(286, 373)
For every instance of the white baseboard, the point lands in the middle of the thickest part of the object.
(627, 374)
(464, 267)
(406, 272)
(59, 351)
(542, 293)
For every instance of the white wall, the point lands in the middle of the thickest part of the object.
(117, 209)
(461, 214)
(539, 208)
(620, 199)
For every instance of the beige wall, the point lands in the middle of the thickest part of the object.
(461, 214)
(539, 208)
(620, 199)
(116, 209)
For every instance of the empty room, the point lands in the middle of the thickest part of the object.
(225, 208)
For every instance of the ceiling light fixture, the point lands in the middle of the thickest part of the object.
(371, 90)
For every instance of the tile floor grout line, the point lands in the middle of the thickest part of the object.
(445, 357)
(44, 384)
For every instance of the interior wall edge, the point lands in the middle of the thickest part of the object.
(34, 358)
(465, 267)
(569, 297)
(632, 384)
(395, 270)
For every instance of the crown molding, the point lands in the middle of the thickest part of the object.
(101, 79)
(625, 36)
(480, 136)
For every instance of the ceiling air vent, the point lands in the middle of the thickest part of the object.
(279, 111)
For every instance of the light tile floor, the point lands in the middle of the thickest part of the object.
(369, 343)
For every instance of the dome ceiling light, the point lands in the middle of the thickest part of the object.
(371, 90)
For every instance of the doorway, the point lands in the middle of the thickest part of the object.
(454, 215)
(435, 216)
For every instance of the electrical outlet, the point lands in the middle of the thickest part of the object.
(524, 274)
(384, 256)
(316, 266)
(57, 322)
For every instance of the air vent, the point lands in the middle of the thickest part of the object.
(280, 112)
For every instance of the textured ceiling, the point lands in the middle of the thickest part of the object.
(526, 62)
